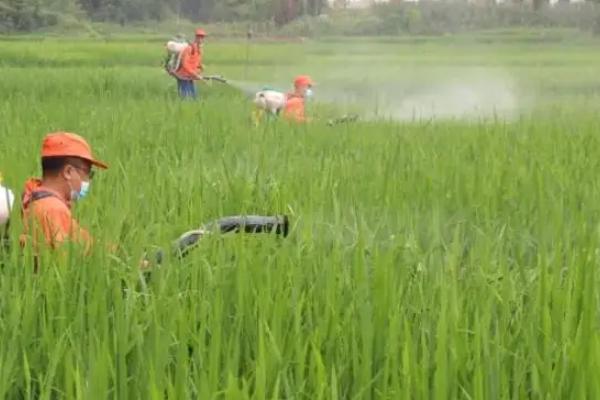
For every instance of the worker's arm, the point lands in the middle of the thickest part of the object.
(60, 227)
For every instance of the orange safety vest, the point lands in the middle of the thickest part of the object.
(191, 62)
(46, 215)
(294, 108)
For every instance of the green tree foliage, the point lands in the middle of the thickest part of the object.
(26, 15)
(19, 14)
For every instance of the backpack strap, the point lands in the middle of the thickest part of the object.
(40, 194)
(35, 196)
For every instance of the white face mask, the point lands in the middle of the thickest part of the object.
(308, 93)
(7, 199)
(83, 191)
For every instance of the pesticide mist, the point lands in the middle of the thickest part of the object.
(468, 95)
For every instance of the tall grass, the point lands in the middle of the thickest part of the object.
(440, 259)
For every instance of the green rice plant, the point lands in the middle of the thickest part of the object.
(442, 258)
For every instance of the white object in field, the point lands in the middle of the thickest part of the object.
(7, 199)
(270, 100)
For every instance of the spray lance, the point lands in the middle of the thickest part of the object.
(215, 78)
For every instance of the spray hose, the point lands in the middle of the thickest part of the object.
(278, 225)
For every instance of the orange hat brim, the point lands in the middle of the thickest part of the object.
(98, 163)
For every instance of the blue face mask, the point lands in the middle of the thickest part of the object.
(83, 191)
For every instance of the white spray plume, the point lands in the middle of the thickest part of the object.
(473, 94)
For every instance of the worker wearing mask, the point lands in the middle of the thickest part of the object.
(272, 103)
(67, 172)
(294, 109)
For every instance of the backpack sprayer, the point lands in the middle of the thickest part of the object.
(175, 50)
(270, 101)
(7, 199)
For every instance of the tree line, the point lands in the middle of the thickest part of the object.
(396, 17)
(27, 15)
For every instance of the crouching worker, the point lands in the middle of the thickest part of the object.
(295, 105)
(291, 105)
(67, 171)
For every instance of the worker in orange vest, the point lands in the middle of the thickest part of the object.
(294, 109)
(67, 172)
(191, 67)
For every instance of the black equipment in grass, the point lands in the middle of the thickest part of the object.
(344, 119)
(278, 225)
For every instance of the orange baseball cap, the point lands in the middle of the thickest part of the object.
(303, 80)
(65, 144)
(200, 32)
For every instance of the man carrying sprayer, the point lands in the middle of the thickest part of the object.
(291, 105)
(187, 66)
(67, 172)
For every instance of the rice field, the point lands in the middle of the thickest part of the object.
(433, 253)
